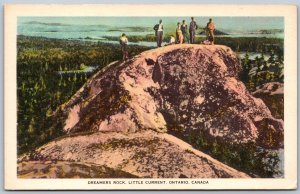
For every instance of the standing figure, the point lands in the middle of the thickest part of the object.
(179, 34)
(193, 28)
(159, 31)
(184, 28)
(210, 29)
(123, 44)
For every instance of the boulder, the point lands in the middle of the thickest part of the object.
(177, 88)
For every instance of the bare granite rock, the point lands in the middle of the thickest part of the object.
(67, 169)
(146, 154)
(175, 88)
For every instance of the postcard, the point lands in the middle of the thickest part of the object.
(150, 97)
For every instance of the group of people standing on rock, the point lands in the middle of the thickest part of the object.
(182, 31)
(181, 35)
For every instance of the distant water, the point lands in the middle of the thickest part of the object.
(98, 27)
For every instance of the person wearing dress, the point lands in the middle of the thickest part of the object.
(184, 30)
(179, 34)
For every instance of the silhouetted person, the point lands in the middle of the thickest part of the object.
(184, 30)
(210, 29)
(192, 30)
(123, 43)
(159, 31)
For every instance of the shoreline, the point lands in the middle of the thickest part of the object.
(106, 38)
(255, 45)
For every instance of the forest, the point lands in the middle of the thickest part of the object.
(50, 71)
(246, 44)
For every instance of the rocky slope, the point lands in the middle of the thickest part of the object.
(175, 88)
(65, 169)
(145, 154)
(130, 109)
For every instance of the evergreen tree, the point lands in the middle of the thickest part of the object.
(75, 77)
(31, 127)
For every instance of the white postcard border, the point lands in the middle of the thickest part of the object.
(290, 91)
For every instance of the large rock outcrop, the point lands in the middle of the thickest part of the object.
(181, 88)
(122, 121)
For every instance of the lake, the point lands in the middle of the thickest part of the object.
(98, 27)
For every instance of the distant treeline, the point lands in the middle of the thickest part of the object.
(246, 44)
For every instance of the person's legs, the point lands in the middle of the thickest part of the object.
(160, 38)
(192, 37)
(212, 37)
(123, 52)
(126, 53)
(207, 34)
(180, 39)
(186, 38)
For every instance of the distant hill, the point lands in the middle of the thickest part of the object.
(217, 32)
(268, 31)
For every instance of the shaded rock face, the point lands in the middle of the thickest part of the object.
(178, 88)
(146, 154)
(273, 96)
